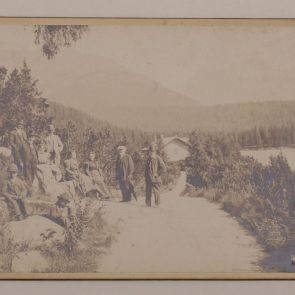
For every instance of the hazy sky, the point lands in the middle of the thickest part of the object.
(210, 64)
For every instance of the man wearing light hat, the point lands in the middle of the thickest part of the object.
(54, 146)
(124, 172)
(14, 191)
(155, 166)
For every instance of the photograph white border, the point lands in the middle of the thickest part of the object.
(150, 8)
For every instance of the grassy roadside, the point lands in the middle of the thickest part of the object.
(254, 214)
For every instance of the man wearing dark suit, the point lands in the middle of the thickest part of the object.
(21, 151)
(124, 172)
(155, 166)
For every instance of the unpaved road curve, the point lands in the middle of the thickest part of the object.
(182, 235)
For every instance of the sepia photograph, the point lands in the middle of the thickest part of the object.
(147, 149)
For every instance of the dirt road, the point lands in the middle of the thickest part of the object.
(182, 235)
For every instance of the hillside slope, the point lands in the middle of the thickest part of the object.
(226, 118)
(108, 91)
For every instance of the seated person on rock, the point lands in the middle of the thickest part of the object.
(44, 159)
(73, 174)
(92, 169)
(82, 182)
(14, 190)
(48, 174)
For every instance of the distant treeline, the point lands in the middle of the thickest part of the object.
(267, 136)
(224, 118)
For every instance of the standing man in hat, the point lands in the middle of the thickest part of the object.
(54, 146)
(21, 150)
(155, 166)
(14, 190)
(124, 172)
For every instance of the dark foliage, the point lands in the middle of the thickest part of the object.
(20, 99)
(54, 37)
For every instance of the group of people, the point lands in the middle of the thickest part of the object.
(39, 168)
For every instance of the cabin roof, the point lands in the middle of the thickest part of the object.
(167, 140)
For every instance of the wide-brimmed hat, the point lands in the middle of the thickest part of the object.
(12, 168)
(63, 198)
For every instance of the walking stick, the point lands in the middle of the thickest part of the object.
(131, 187)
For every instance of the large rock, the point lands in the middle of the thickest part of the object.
(29, 261)
(31, 233)
(48, 182)
(38, 206)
